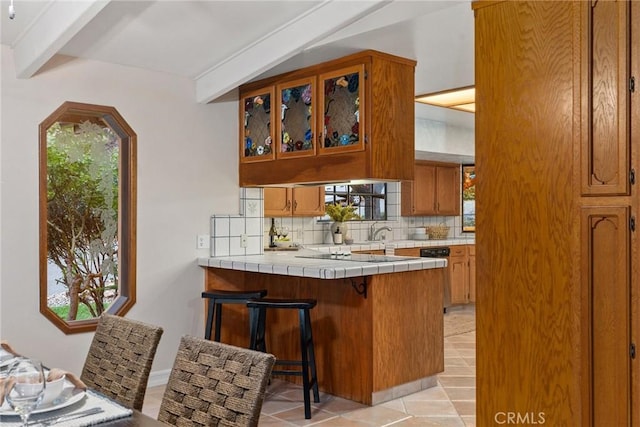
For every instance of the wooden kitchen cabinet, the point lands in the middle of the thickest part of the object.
(459, 274)
(568, 178)
(435, 190)
(299, 201)
(471, 253)
(350, 118)
(407, 252)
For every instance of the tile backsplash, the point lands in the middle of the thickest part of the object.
(227, 230)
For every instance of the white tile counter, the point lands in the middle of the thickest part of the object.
(395, 244)
(287, 264)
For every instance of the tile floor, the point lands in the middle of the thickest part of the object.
(451, 403)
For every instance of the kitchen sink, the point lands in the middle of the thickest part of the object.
(358, 257)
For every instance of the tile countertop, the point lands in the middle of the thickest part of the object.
(286, 263)
(396, 244)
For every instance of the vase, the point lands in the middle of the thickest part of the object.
(344, 230)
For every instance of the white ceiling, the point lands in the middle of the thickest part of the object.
(222, 44)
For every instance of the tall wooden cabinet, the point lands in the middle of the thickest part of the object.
(557, 142)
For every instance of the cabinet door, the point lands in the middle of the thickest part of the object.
(256, 130)
(277, 201)
(471, 252)
(459, 279)
(424, 190)
(605, 92)
(342, 118)
(296, 122)
(606, 302)
(407, 252)
(308, 201)
(448, 190)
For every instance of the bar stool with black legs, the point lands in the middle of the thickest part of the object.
(257, 325)
(217, 298)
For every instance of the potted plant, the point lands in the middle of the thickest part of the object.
(340, 214)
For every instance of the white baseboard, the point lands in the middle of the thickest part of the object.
(157, 378)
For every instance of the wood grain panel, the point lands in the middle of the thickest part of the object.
(605, 239)
(407, 326)
(527, 330)
(635, 142)
(605, 106)
(362, 345)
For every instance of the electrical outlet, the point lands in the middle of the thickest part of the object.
(243, 240)
(202, 241)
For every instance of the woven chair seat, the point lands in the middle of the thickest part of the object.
(215, 384)
(120, 358)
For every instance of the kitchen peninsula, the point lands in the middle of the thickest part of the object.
(377, 328)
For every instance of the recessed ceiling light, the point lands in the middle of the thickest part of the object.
(462, 98)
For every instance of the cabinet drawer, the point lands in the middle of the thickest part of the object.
(458, 250)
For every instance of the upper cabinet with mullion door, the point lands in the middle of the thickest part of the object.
(257, 125)
(296, 118)
(350, 118)
(343, 114)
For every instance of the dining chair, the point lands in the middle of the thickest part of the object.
(120, 358)
(212, 383)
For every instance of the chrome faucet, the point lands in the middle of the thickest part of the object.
(373, 233)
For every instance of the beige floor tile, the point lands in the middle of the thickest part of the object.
(296, 416)
(456, 381)
(269, 421)
(465, 407)
(461, 393)
(430, 407)
(342, 422)
(454, 361)
(469, 421)
(276, 404)
(337, 405)
(377, 415)
(430, 421)
(470, 361)
(433, 393)
(459, 371)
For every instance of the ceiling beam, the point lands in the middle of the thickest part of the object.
(50, 31)
(280, 45)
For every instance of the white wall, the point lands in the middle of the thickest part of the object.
(187, 170)
(440, 137)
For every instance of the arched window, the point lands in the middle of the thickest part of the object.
(87, 215)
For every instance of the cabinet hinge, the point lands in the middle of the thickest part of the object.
(366, 74)
(632, 223)
(632, 351)
(366, 139)
(632, 176)
(632, 84)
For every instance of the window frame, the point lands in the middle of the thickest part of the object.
(79, 112)
(333, 193)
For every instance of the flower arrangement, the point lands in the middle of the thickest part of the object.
(341, 213)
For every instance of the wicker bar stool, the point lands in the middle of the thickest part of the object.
(218, 297)
(257, 324)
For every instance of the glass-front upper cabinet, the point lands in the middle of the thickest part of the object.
(256, 120)
(296, 120)
(342, 98)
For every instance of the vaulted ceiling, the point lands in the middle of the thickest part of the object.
(223, 44)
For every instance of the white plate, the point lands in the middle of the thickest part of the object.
(69, 396)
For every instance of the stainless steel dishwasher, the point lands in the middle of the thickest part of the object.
(441, 252)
